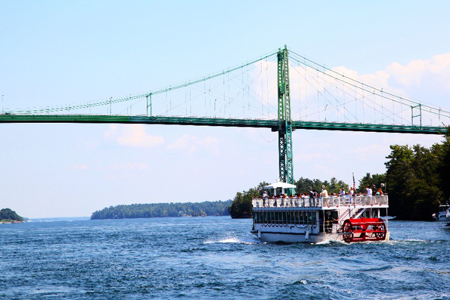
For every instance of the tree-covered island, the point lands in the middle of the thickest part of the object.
(152, 210)
(9, 216)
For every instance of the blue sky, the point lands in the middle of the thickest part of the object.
(59, 52)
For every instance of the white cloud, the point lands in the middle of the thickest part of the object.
(417, 72)
(133, 136)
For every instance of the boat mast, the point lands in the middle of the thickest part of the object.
(286, 168)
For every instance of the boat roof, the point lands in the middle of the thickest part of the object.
(280, 184)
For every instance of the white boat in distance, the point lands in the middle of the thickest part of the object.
(443, 214)
(293, 219)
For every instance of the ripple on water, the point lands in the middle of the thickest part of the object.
(215, 258)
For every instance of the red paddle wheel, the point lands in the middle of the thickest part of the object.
(364, 229)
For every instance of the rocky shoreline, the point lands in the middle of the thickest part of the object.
(10, 222)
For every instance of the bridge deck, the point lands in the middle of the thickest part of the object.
(275, 125)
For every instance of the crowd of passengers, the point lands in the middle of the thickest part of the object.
(369, 192)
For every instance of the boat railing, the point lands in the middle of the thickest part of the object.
(321, 202)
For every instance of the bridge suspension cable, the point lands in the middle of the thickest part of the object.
(357, 84)
(111, 101)
(364, 92)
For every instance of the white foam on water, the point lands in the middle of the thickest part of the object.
(230, 240)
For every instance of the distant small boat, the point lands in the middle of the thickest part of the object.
(443, 214)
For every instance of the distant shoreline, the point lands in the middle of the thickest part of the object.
(10, 222)
(157, 210)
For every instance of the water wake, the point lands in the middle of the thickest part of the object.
(231, 240)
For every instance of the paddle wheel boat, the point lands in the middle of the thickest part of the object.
(293, 219)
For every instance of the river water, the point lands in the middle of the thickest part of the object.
(215, 258)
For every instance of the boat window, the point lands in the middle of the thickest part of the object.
(313, 218)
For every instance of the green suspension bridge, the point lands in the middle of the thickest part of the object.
(262, 94)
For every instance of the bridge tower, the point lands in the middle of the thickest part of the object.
(286, 167)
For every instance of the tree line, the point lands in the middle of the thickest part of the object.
(152, 210)
(417, 180)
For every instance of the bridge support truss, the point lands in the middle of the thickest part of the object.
(286, 167)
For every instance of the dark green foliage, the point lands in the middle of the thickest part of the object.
(242, 202)
(414, 182)
(444, 167)
(208, 208)
(371, 180)
(8, 215)
(305, 185)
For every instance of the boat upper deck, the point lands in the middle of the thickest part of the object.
(332, 202)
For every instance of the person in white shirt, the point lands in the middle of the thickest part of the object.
(324, 195)
(369, 191)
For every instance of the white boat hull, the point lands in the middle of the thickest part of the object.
(289, 238)
(272, 236)
(293, 234)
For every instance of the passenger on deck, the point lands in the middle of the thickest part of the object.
(342, 192)
(265, 198)
(351, 195)
(368, 191)
(313, 198)
(324, 194)
(352, 192)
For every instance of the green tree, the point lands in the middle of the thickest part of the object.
(371, 180)
(335, 186)
(444, 167)
(242, 203)
(398, 176)
(242, 207)
(413, 181)
(425, 190)
(305, 185)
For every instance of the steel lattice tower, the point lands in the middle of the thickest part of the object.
(286, 167)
